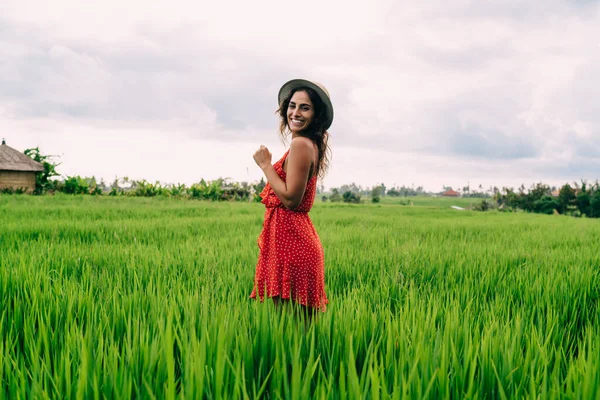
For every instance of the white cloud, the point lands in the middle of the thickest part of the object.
(500, 92)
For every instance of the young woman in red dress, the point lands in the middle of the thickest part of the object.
(290, 263)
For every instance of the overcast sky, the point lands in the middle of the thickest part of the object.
(428, 93)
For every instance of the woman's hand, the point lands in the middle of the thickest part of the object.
(262, 157)
(300, 161)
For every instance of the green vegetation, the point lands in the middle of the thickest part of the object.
(578, 201)
(43, 180)
(123, 296)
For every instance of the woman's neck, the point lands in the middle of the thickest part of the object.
(300, 134)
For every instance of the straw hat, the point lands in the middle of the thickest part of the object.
(290, 86)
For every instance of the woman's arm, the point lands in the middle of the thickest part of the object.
(299, 163)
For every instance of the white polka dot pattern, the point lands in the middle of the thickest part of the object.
(290, 262)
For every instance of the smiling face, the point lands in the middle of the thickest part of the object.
(300, 112)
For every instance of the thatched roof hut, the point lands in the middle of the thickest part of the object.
(17, 171)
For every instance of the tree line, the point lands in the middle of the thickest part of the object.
(579, 199)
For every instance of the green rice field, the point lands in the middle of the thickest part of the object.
(105, 297)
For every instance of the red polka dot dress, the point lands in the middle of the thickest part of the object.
(290, 262)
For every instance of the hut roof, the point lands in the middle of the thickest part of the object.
(451, 192)
(14, 160)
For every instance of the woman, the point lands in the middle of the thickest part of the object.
(290, 263)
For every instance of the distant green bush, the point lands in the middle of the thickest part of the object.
(10, 190)
(43, 182)
(335, 196)
(546, 205)
(350, 197)
(74, 185)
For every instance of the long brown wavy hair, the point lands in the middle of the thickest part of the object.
(315, 131)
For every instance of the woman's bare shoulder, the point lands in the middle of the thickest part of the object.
(302, 143)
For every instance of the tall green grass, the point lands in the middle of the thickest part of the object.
(136, 297)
